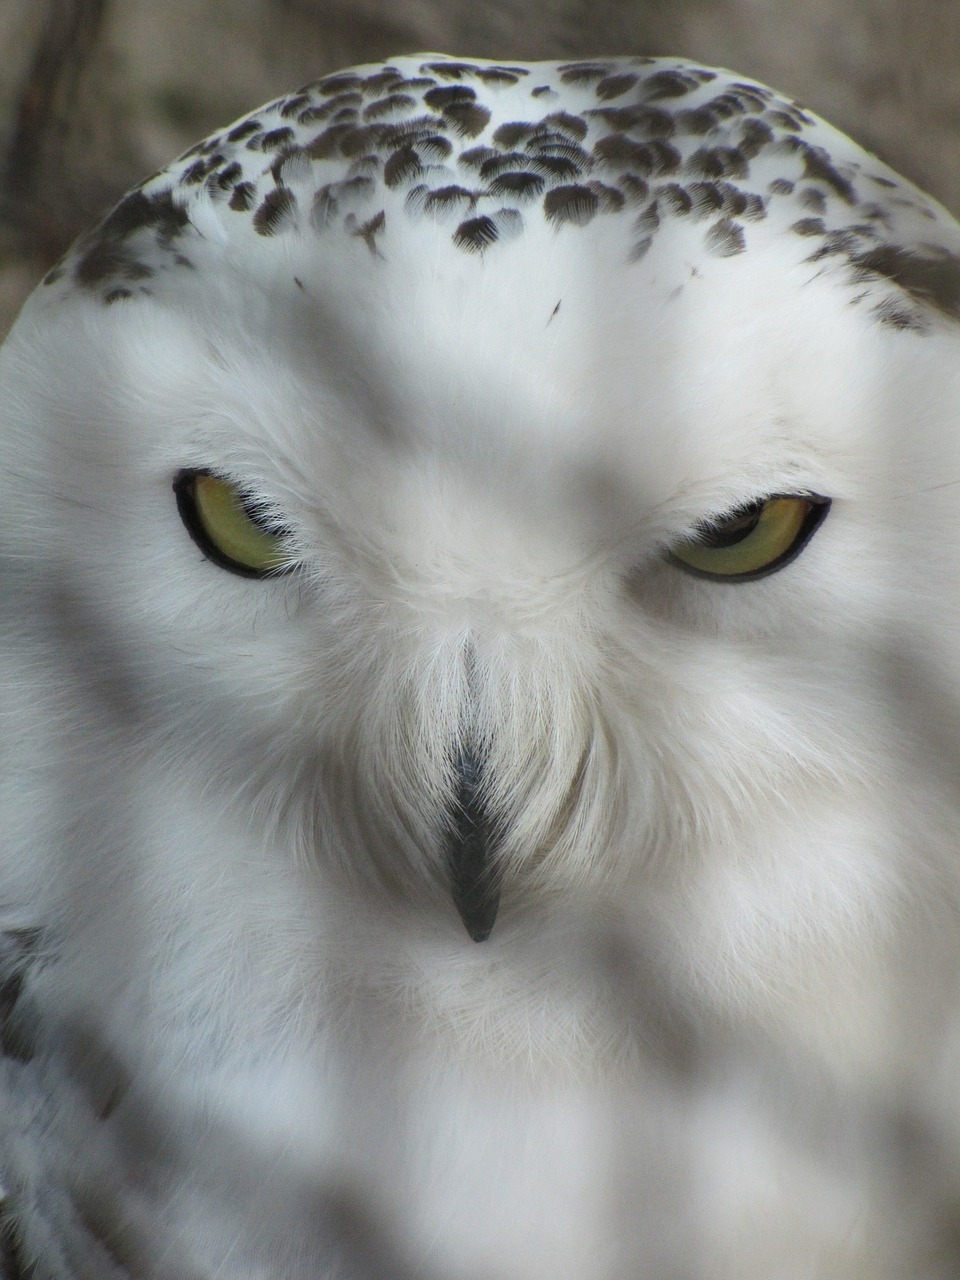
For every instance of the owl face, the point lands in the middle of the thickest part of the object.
(488, 493)
(478, 597)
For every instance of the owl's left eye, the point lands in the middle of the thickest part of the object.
(230, 527)
(753, 540)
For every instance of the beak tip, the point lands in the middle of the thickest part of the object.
(478, 914)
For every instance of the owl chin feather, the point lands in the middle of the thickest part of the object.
(475, 502)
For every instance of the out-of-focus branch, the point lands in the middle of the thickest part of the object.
(67, 39)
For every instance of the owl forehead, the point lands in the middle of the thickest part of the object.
(482, 152)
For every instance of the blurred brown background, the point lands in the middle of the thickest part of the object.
(94, 94)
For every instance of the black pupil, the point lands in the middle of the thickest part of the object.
(733, 529)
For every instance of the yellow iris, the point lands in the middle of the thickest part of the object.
(230, 531)
(754, 540)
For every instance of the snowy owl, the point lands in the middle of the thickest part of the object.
(479, 791)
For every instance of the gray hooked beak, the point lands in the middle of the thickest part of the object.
(469, 850)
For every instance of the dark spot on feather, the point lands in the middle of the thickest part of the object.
(634, 189)
(649, 158)
(558, 167)
(874, 212)
(275, 212)
(382, 82)
(139, 271)
(228, 176)
(159, 212)
(640, 249)
(475, 234)
(402, 165)
(242, 198)
(246, 129)
(196, 173)
(836, 243)
(669, 84)
(882, 182)
(338, 83)
(933, 280)
(648, 222)
(812, 198)
(893, 314)
(369, 230)
(736, 100)
(103, 251)
(512, 134)
(359, 140)
(498, 75)
(520, 185)
(440, 99)
(696, 120)
(445, 198)
(672, 198)
(617, 149)
(574, 204)
(477, 157)
(566, 123)
(313, 115)
(500, 162)
(758, 91)
(809, 227)
(282, 159)
(558, 146)
(293, 105)
(717, 162)
(118, 294)
(416, 198)
(652, 122)
(276, 138)
(365, 167)
(452, 70)
(780, 187)
(327, 144)
(609, 199)
(615, 86)
(706, 198)
(735, 201)
(781, 120)
(754, 207)
(387, 106)
(467, 118)
(435, 147)
(725, 238)
(754, 136)
(818, 167)
(415, 129)
(540, 91)
(582, 72)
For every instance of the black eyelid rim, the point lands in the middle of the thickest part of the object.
(814, 518)
(187, 508)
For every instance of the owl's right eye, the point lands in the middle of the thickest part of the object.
(752, 541)
(229, 527)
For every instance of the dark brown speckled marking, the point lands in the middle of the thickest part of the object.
(454, 142)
